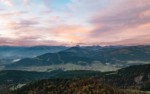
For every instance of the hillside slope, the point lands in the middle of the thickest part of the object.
(137, 76)
(126, 55)
(133, 77)
(73, 86)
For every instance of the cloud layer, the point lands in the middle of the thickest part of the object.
(71, 22)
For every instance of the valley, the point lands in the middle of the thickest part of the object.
(74, 46)
(124, 70)
(86, 57)
(134, 77)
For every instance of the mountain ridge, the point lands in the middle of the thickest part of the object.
(84, 56)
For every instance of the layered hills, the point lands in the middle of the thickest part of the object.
(118, 56)
(133, 77)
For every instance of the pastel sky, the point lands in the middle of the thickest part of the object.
(72, 22)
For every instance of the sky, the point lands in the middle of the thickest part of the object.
(74, 22)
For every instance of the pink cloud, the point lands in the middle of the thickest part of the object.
(62, 34)
(28, 42)
(85, 22)
(123, 24)
(7, 2)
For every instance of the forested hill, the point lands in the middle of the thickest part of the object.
(75, 86)
(88, 55)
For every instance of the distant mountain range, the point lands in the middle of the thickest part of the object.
(9, 54)
(120, 55)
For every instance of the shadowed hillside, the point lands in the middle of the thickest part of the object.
(131, 77)
(74, 86)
